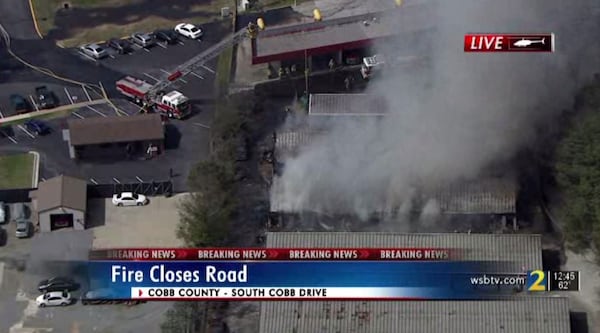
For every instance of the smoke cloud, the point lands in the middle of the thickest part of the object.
(453, 117)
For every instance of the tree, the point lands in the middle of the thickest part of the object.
(577, 166)
(184, 317)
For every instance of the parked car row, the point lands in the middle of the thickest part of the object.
(20, 215)
(44, 99)
(143, 39)
(56, 291)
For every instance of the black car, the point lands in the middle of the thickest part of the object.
(46, 98)
(58, 284)
(37, 126)
(19, 104)
(167, 36)
(122, 46)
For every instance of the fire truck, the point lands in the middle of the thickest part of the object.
(173, 104)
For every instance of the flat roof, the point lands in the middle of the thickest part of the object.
(344, 33)
(61, 191)
(521, 248)
(347, 105)
(527, 314)
(114, 129)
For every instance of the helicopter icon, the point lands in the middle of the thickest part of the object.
(526, 42)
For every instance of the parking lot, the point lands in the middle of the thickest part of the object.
(25, 262)
(187, 140)
(155, 224)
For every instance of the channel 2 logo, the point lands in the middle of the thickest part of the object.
(537, 281)
(517, 43)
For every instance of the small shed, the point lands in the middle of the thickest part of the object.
(60, 202)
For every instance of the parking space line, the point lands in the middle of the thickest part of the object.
(77, 115)
(69, 96)
(202, 125)
(182, 80)
(139, 179)
(12, 139)
(93, 181)
(1, 273)
(87, 56)
(26, 131)
(197, 75)
(164, 71)
(86, 93)
(111, 56)
(34, 103)
(180, 42)
(208, 69)
(116, 180)
(98, 112)
(150, 76)
(146, 49)
(1, 114)
(161, 45)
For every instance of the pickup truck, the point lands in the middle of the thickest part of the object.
(45, 98)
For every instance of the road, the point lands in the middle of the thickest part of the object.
(15, 15)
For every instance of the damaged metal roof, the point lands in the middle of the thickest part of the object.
(523, 249)
(485, 196)
(347, 105)
(290, 141)
(524, 314)
(531, 314)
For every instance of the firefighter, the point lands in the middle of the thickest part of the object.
(332, 64)
(251, 30)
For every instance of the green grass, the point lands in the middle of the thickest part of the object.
(45, 11)
(223, 71)
(16, 171)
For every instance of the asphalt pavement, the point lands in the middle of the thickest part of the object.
(15, 16)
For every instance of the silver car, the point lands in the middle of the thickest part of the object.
(143, 39)
(23, 229)
(95, 51)
(3, 216)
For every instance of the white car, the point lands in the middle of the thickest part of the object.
(129, 199)
(62, 298)
(189, 30)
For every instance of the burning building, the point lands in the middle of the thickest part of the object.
(523, 314)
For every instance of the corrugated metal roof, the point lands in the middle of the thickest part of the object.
(527, 314)
(347, 105)
(485, 196)
(323, 34)
(523, 249)
(531, 314)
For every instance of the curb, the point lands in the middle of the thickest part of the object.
(35, 24)
(35, 175)
(36, 169)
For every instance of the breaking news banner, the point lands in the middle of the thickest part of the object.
(305, 280)
(277, 254)
(509, 43)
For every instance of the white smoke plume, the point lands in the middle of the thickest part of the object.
(456, 117)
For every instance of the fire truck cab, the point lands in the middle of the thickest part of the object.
(371, 66)
(174, 104)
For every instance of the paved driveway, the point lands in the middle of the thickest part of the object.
(153, 225)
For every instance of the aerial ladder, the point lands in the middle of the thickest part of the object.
(251, 31)
(196, 62)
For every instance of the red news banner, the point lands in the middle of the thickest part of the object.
(408, 254)
(509, 43)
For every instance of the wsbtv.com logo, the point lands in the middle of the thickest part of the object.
(517, 43)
